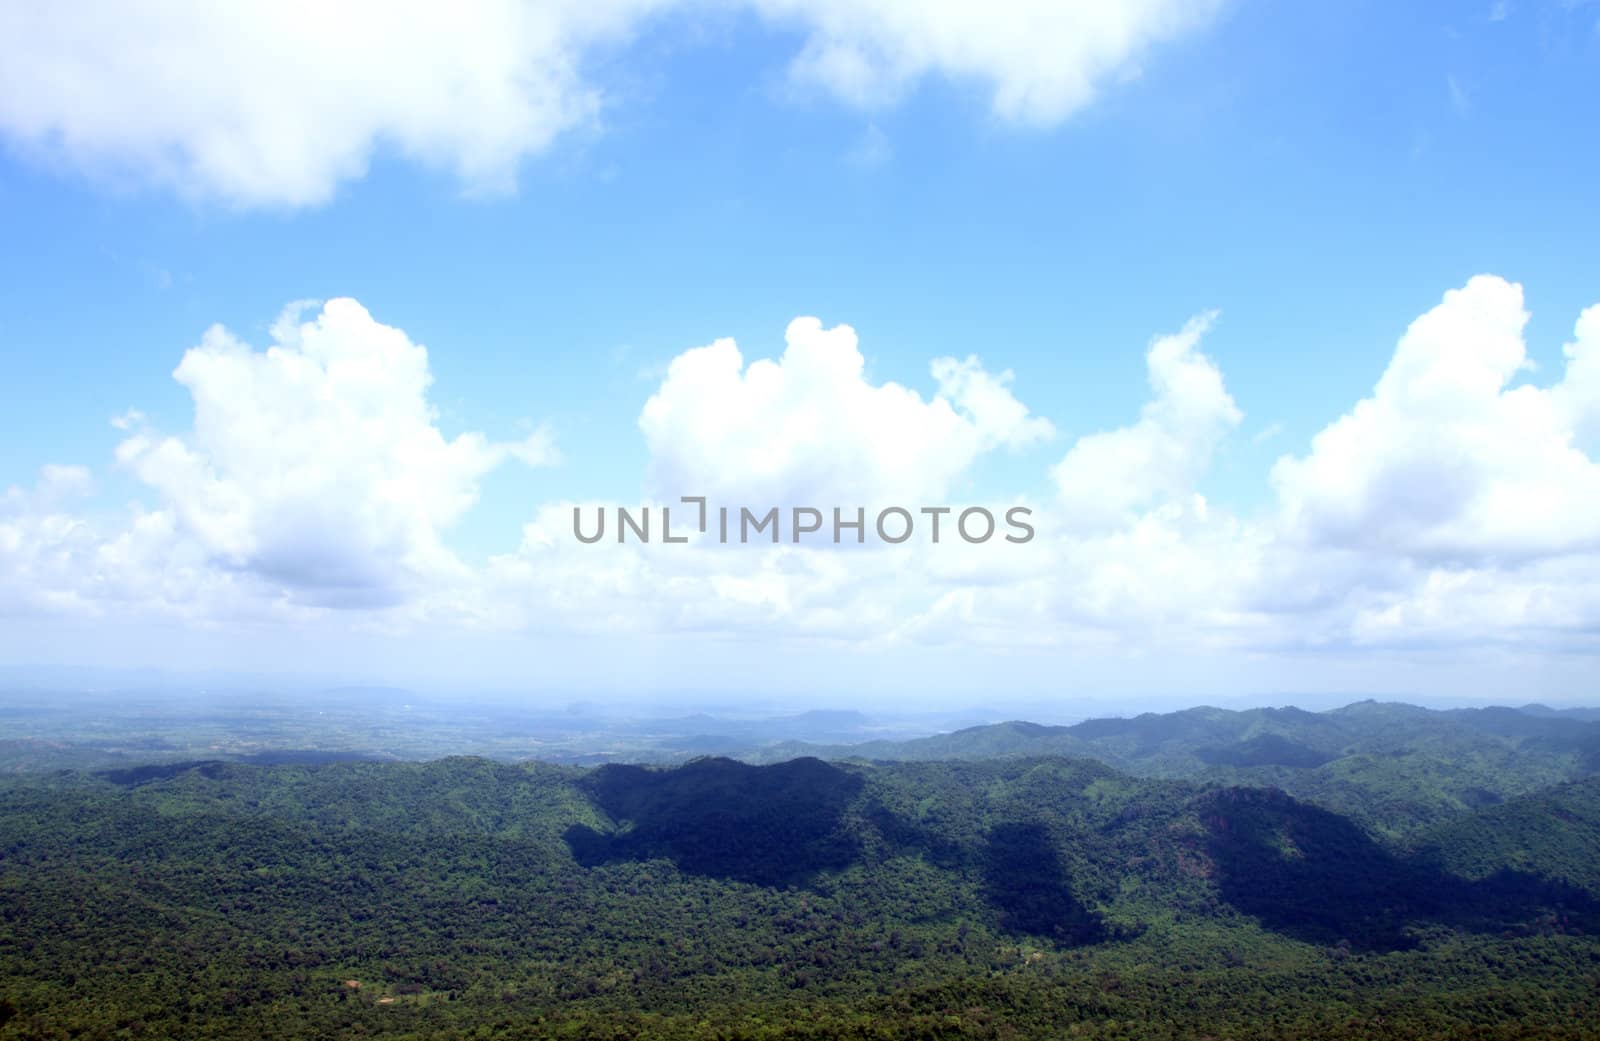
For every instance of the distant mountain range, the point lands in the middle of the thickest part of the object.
(1393, 766)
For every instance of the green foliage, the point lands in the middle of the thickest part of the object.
(1554, 832)
(1265, 750)
(1012, 898)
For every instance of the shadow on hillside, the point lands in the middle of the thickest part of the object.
(768, 825)
(1316, 876)
(1025, 881)
(135, 776)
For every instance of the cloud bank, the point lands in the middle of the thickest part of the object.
(809, 427)
(1456, 505)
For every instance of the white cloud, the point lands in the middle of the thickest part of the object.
(58, 557)
(45, 548)
(259, 103)
(1447, 461)
(1041, 60)
(1454, 507)
(607, 587)
(810, 428)
(316, 466)
(1109, 477)
(1577, 396)
(1547, 604)
(277, 103)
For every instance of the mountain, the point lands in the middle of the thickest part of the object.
(1012, 897)
(1399, 769)
(1555, 832)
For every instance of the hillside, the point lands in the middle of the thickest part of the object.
(1554, 832)
(1020, 897)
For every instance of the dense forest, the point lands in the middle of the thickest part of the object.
(1180, 876)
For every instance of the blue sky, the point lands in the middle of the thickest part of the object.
(1319, 176)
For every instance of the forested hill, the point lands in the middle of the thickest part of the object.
(1008, 898)
(1398, 768)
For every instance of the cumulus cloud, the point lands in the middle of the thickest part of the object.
(260, 103)
(1110, 477)
(316, 465)
(44, 545)
(1448, 460)
(1453, 506)
(811, 428)
(1577, 396)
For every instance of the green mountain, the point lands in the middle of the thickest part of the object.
(1011, 897)
(1398, 769)
(1554, 832)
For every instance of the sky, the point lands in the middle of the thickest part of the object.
(1282, 320)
